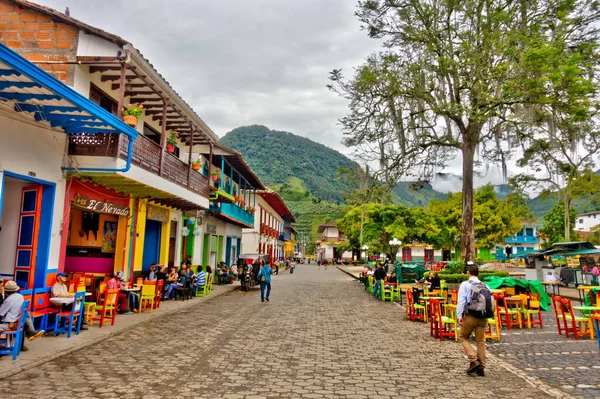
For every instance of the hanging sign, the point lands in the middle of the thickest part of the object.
(211, 228)
(100, 206)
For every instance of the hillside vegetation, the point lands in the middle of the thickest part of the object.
(278, 156)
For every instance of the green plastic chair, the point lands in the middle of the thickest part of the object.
(387, 294)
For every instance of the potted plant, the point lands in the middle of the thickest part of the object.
(131, 114)
(215, 174)
(172, 141)
(251, 210)
(196, 164)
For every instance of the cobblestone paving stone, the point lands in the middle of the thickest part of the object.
(569, 365)
(321, 336)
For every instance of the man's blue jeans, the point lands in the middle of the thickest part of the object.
(376, 288)
(134, 300)
(262, 290)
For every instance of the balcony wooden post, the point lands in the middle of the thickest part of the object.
(121, 102)
(163, 135)
(210, 160)
(190, 145)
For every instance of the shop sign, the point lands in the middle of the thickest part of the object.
(211, 228)
(157, 213)
(101, 206)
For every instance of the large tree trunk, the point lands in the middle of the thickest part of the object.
(467, 238)
(567, 218)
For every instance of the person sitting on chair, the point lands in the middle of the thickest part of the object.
(10, 312)
(199, 278)
(433, 281)
(152, 275)
(178, 284)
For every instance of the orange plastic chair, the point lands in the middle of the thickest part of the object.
(72, 285)
(533, 309)
(441, 326)
(507, 316)
(139, 281)
(557, 312)
(415, 311)
(109, 306)
(454, 296)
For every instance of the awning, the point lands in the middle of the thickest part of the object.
(31, 90)
(277, 203)
(562, 248)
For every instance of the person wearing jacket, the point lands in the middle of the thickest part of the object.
(264, 276)
(379, 276)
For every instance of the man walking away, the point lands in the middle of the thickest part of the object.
(475, 306)
(264, 276)
(379, 277)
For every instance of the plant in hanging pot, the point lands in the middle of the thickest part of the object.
(131, 114)
(251, 210)
(196, 165)
(172, 141)
(215, 174)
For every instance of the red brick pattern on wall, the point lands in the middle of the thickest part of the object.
(36, 37)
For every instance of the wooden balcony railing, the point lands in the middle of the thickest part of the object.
(146, 154)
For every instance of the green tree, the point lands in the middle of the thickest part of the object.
(553, 227)
(452, 76)
(495, 219)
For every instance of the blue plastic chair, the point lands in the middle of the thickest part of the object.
(68, 317)
(14, 338)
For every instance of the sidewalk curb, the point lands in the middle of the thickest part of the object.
(19, 368)
(347, 272)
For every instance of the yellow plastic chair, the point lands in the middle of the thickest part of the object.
(209, 283)
(147, 297)
(494, 328)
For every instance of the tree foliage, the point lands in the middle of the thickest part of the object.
(456, 76)
(553, 227)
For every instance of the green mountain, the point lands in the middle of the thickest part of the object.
(278, 156)
(406, 194)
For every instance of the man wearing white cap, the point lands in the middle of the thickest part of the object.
(10, 311)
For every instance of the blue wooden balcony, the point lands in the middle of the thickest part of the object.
(521, 239)
(285, 236)
(232, 213)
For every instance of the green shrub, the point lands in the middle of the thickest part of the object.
(454, 267)
(457, 278)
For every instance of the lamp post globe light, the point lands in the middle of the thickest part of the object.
(395, 244)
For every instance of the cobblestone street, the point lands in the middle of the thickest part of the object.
(321, 336)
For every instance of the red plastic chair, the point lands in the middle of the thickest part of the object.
(576, 323)
(159, 290)
(415, 312)
(557, 312)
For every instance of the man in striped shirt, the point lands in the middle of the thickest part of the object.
(200, 278)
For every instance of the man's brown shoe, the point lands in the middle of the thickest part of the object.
(473, 367)
(480, 371)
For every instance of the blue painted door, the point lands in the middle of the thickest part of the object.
(228, 251)
(151, 244)
(27, 239)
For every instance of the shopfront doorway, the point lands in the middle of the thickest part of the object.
(151, 244)
(26, 211)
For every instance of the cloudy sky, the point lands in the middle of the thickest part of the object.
(240, 62)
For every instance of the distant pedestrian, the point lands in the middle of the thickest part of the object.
(277, 267)
(475, 306)
(379, 275)
(319, 264)
(264, 276)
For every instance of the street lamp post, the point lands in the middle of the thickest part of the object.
(395, 244)
(365, 248)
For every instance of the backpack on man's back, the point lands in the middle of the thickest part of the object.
(480, 305)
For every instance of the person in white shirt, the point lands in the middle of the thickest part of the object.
(10, 312)
(469, 323)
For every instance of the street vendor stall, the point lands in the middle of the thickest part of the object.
(409, 273)
(533, 286)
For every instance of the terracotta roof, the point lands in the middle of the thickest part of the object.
(63, 18)
(322, 227)
(277, 203)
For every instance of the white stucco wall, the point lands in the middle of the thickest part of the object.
(9, 220)
(587, 221)
(28, 149)
(90, 45)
